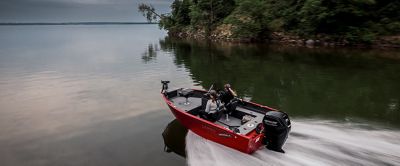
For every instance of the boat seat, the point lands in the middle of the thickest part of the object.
(231, 106)
(186, 93)
(204, 100)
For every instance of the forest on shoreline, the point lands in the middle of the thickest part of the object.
(338, 22)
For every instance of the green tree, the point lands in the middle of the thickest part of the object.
(352, 20)
(249, 20)
(208, 13)
(180, 12)
(148, 11)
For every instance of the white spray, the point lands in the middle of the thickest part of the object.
(310, 142)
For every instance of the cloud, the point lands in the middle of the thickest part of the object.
(89, 2)
(76, 10)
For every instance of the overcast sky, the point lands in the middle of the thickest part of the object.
(76, 10)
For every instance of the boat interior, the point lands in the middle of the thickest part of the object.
(242, 120)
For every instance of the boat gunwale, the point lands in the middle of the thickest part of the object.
(246, 136)
(202, 120)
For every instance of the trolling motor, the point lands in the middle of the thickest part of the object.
(164, 87)
(276, 130)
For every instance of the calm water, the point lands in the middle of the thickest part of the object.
(88, 95)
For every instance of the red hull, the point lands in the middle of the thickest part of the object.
(248, 143)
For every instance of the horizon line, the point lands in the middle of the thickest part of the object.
(76, 23)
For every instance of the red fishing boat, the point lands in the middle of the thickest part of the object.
(248, 127)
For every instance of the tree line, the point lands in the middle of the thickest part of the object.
(351, 20)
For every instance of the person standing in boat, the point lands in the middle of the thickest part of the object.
(212, 113)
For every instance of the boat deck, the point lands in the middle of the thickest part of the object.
(194, 103)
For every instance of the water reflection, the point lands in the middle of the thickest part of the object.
(150, 54)
(346, 85)
(174, 138)
(355, 90)
(79, 95)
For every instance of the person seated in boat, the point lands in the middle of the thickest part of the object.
(212, 111)
(226, 96)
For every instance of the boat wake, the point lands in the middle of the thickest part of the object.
(310, 143)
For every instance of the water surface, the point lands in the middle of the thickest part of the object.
(339, 84)
(83, 95)
(89, 95)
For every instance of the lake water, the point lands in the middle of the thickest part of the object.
(89, 95)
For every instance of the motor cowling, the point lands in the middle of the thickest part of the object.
(276, 130)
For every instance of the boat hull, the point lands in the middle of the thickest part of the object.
(245, 143)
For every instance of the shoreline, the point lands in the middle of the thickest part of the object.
(222, 45)
(280, 38)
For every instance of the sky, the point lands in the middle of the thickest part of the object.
(76, 10)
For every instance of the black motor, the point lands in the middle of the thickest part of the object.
(276, 130)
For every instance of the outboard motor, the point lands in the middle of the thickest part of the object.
(276, 130)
